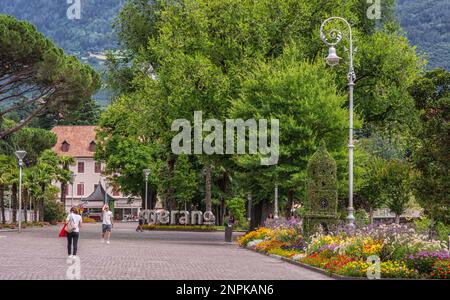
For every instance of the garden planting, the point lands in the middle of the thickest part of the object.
(402, 252)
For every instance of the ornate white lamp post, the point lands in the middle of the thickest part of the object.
(275, 212)
(146, 173)
(20, 155)
(333, 59)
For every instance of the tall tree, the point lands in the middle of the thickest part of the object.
(36, 76)
(397, 186)
(8, 172)
(64, 175)
(372, 187)
(33, 140)
(431, 153)
(272, 92)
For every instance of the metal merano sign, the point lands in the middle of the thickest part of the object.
(178, 217)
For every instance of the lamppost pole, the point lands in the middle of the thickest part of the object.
(20, 155)
(249, 198)
(275, 212)
(332, 59)
(72, 181)
(146, 173)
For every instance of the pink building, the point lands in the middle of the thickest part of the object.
(89, 185)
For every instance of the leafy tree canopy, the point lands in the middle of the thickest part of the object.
(36, 76)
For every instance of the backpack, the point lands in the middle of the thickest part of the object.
(71, 226)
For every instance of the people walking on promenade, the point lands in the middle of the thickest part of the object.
(107, 223)
(141, 222)
(73, 224)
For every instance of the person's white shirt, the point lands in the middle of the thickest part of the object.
(107, 217)
(76, 219)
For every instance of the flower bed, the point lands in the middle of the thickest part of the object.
(181, 228)
(89, 220)
(402, 252)
(24, 225)
(279, 238)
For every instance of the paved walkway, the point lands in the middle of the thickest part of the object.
(39, 254)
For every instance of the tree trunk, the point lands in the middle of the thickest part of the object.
(41, 210)
(170, 205)
(41, 204)
(397, 219)
(35, 210)
(2, 203)
(25, 204)
(208, 177)
(14, 202)
(370, 215)
(256, 216)
(64, 187)
(290, 200)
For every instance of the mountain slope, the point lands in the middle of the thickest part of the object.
(426, 22)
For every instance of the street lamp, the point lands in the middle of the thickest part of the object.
(72, 181)
(333, 59)
(146, 173)
(275, 211)
(20, 155)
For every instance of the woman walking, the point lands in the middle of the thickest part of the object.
(141, 222)
(73, 224)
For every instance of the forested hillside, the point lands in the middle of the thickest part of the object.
(92, 32)
(426, 22)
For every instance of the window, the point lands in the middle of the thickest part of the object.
(98, 167)
(80, 167)
(116, 192)
(65, 146)
(92, 146)
(67, 190)
(80, 189)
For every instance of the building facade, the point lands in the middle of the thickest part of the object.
(79, 143)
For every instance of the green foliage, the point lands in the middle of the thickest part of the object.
(87, 113)
(184, 181)
(247, 59)
(430, 154)
(361, 217)
(397, 185)
(322, 184)
(273, 91)
(386, 65)
(442, 231)
(53, 209)
(372, 187)
(236, 208)
(423, 225)
(33, 140)
(37, 76)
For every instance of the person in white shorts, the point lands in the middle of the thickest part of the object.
(107, 223)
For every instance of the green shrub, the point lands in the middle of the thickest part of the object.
(442, 231)
(236, 207)
(361, 217)
(53, 211)
(422, 225)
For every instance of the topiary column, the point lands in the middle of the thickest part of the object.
(322, 192)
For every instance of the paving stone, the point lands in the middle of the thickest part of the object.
(38, 253)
